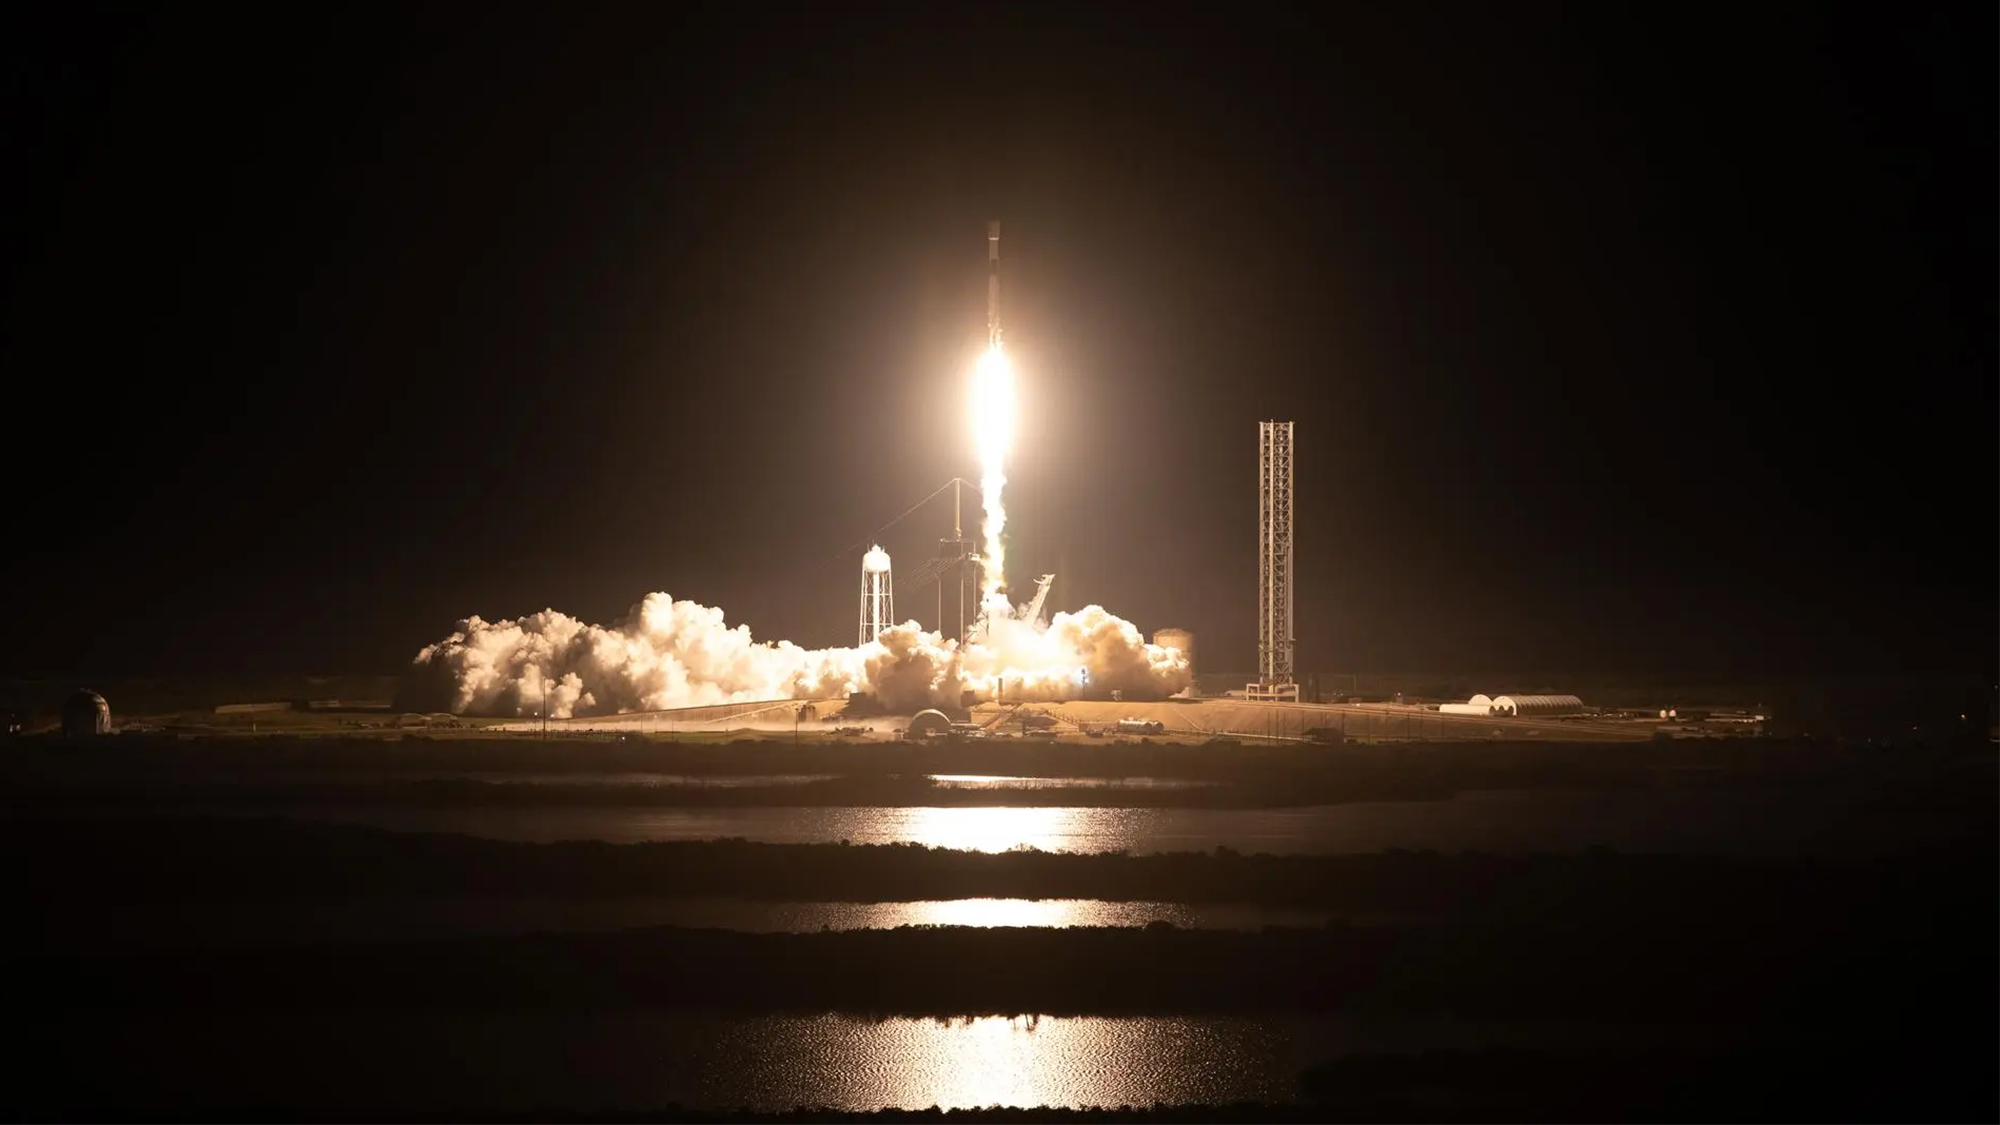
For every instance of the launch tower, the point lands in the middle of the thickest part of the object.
(1275, 643)
(959, 569)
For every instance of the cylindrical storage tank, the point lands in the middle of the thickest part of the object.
(1180, 639)
(86, 715)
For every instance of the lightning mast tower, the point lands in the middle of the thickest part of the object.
(1275, 642)
(956, 564)
(877, 594)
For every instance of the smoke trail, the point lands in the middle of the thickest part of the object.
(993, 424)
(667, 654)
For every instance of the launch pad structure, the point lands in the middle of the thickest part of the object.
(955, 567)
(1276, 680)
(958, 564)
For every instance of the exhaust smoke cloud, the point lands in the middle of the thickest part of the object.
(667, 654)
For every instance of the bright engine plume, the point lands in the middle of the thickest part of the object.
(667, 654)
(993, 427)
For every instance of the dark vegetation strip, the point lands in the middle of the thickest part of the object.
(1316, 789)
(865, 792)
(128, 781)
(51, 859)
(1930, 976)
(1469, 765)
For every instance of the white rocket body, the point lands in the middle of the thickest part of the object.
(993, 284)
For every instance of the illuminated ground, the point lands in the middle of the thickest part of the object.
(1192, 720)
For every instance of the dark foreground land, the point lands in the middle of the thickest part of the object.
(1806, 989)
(1818, 987)
(150, 773)
(60, 866)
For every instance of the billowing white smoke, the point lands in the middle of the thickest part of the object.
(669, 653)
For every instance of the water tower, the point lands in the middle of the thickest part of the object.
(878, 594)
(1178, 639)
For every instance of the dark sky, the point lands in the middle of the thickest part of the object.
(1653, 340)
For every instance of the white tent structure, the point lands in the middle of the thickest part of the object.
(1477, 705)
(1535, 706)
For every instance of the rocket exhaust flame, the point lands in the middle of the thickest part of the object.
(993, 426)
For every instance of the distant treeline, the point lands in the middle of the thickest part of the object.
(1418, 768)
(875, 792)
(1319, 787)
(54, 859)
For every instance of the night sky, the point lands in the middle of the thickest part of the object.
(1657, 343)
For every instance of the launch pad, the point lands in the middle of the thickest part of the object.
(1178, 721)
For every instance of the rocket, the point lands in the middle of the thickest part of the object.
(993, 284)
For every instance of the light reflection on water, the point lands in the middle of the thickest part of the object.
(1682, 822)
(1009, 781)
(998, 1061)
(501, 1060)
(1045, 830)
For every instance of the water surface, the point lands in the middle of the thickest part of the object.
(1680, 821)
(499, 1060)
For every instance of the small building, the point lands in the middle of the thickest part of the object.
(86, 715)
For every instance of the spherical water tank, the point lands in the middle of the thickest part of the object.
(928, 724)
(86, 715)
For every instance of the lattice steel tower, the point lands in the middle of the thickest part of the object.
(1275, 642)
